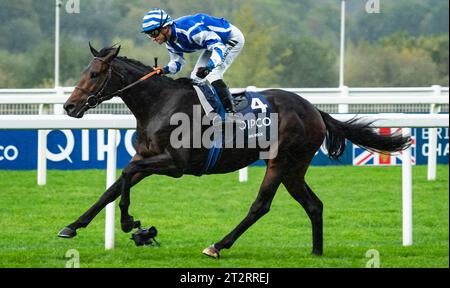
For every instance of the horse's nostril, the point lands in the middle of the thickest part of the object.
(69, 107)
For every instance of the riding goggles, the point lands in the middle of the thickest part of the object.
(153, 33)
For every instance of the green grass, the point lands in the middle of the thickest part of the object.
(362, 211)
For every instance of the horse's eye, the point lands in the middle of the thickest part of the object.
(94, 75)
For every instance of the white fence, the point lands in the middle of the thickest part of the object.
(331, 100)
(344, 95)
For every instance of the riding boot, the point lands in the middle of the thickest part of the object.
(224, 95)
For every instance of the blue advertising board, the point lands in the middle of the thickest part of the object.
(86, 149)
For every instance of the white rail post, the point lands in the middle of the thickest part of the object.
(111, 167)
(407, 192)
(42, 153)
(58, 109)
(42, 158)
(343, 108)
(243, 174)
(432, 137)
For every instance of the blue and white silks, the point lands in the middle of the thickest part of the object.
(197, 32)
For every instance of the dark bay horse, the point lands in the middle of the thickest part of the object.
(302, 129)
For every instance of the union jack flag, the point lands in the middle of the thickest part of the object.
(364, 157)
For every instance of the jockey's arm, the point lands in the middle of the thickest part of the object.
(175, 64)
(213, 43)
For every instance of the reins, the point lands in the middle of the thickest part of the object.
(143, 78)
(94, 99)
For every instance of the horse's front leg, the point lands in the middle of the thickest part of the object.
(159, 164)
(126, 220)
(109, 196)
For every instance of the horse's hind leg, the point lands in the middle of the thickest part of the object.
(261, 206)
(300, 191)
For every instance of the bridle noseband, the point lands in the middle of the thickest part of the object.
(96, 98)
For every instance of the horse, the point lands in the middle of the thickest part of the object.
(302, 129)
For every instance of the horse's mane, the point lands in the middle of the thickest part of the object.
(135, 62)
(145, 68)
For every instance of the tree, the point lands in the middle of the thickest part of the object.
(435, 46)
(281, 37)
(74, 58)
(252, 66)
(417, 17)
(378, 65)
(306, 63)
(12, 67)
(18, 30)
(438, 49)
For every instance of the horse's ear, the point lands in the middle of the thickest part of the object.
(113, 55)
(93, 51)
(117, 51)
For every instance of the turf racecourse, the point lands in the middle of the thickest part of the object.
(362, 211)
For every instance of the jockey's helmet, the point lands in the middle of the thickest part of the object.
(155, 19)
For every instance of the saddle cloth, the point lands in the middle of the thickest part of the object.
(252, 122)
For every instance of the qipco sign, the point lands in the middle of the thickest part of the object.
(8, 153)
(86, 149)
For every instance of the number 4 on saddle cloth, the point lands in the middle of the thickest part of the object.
(250, 127)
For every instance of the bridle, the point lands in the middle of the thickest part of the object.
(96, 98)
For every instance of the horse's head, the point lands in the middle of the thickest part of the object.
(96, 83)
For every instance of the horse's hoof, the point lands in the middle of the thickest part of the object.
(317, 252)
(67, 233)
(212, 252)
(127, 226)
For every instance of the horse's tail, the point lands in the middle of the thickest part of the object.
(361, 134)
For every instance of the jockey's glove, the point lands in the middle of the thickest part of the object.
(202, 72)
(165, 70)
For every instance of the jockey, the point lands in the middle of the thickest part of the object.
(220, 42)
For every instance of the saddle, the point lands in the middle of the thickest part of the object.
(252, 121)
(211, 102)
(239, 100)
